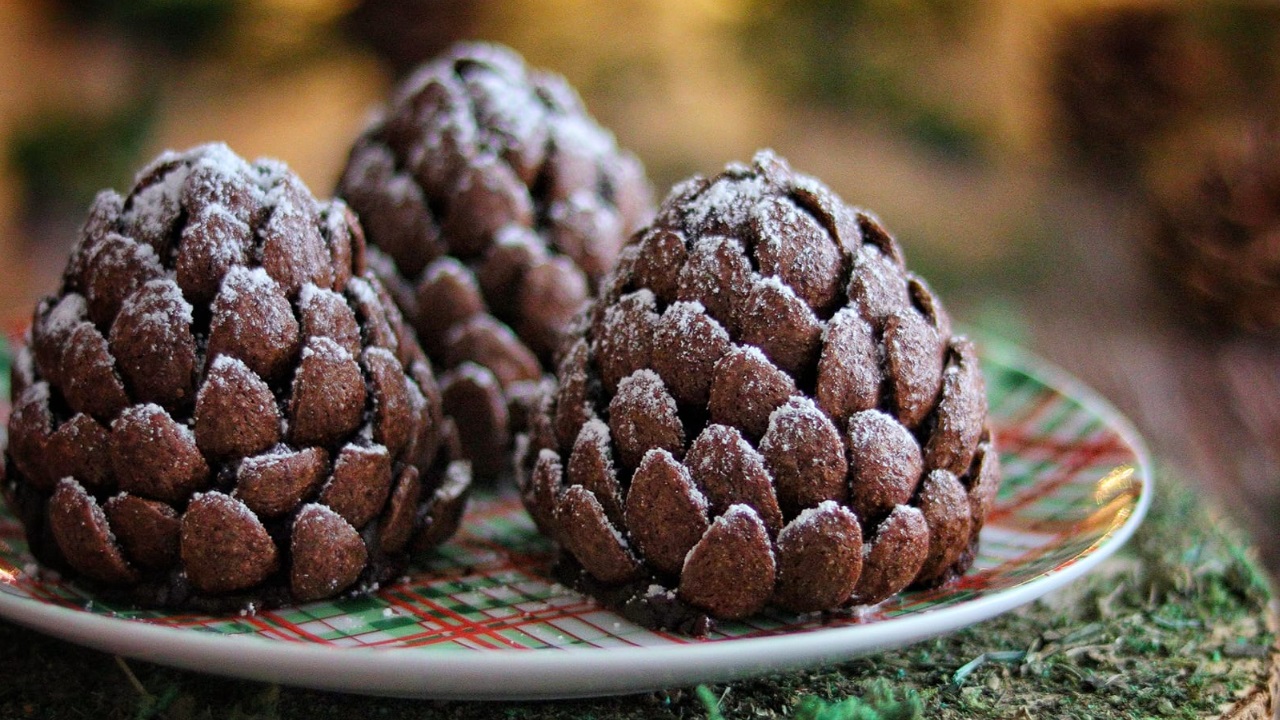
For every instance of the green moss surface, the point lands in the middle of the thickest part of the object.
(1174, 626)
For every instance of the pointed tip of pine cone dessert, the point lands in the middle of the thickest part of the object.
(499, 205)
(220, 406)
(765, 407)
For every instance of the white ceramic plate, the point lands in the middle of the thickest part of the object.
(483, 619)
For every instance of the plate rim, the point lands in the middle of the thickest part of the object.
(585, 672)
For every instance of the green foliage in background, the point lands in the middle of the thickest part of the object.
(181, 27)
(64, 156)
(860, 56)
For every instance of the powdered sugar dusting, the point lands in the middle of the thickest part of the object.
(644, 390)
(123, 260)
(595, 431)
(35, 394)
(226, 233)
(508, 108)
(251, 282)
(310, 292)
(72, 486)
(457, 479)
(795, 247)
(686, 309)
(95, 511)
(474, 373)
(270, 172)
(246, 287)
(775, 284)
(24, 368)
(221, 159)
(451, 122)
(363, 292)
(728, 201)
(166, 304)
(941, 490)
(617, 534)
(582, 135)
(811, 520)
(643, 297)
(228, 364)
(810, 185)
(706, 257)
(325, 349)
(515, 236)
(736, 513)
(617, 325)
(64, 316)
(276, 454)
(729, 453)
(878, 282)
(752, 353)
(658, 592)
(153, 208)
(322, 519)
(689, 321)
(227, 504)
(874, 428)
(687, 186)
(350, 452)
(901, 515)
(384, 355)
(446, 266)
(845, 316)
(145, 417)
(776, 228)
(795, 411)
(682, 477)
(230, 377)
(583, 212)
(291, 202)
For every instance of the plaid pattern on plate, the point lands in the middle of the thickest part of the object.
(1070, 482)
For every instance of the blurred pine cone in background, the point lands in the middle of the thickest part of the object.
(1122, 77)
(499, 204)
(1215, 237)
(406, 33)
(221, 407)
(765, 406)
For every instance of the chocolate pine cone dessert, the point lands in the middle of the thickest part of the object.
(497, 205)
(764, 407)
(222, 407)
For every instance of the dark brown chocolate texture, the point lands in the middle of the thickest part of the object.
(497, 205)
(764, 406)
(221, 406)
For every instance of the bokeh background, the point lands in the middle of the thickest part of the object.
(1097, 180)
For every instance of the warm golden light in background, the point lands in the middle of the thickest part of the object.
(675, 80)
(936, 114)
